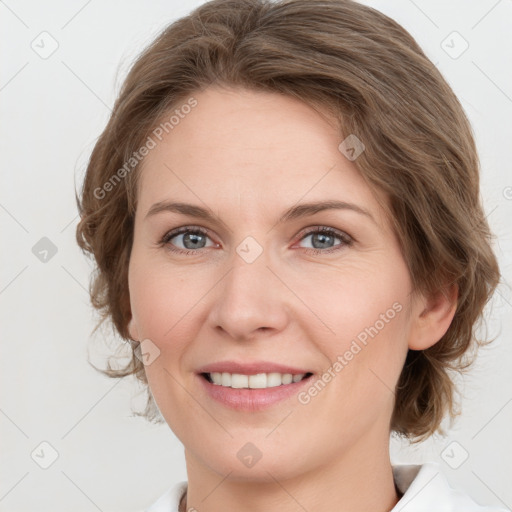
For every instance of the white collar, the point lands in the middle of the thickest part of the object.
(426, 489)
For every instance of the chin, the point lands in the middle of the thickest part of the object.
(254, 461)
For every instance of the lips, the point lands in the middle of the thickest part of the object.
(251, 399)
(257, 398)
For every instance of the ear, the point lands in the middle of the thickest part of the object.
(132, 329)
(432, 317)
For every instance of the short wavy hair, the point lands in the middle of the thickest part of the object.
(369, 73)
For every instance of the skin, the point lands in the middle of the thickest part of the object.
(248, 156)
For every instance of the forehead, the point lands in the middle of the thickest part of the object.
(246, 148)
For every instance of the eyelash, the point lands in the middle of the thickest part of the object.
(346, 239)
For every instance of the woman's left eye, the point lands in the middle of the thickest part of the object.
(321, 237)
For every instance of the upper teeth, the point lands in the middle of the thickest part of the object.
(260, 380)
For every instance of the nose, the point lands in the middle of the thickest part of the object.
(250, 300)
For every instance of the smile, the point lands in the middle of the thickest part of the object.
(251, 393)
(257, 381)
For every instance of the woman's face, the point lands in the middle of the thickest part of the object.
(257, 286)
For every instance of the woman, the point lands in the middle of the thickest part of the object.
(284, 210)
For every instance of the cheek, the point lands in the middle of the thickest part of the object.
(158, 298)
(366, 311)
(356, 297)
(373, 357)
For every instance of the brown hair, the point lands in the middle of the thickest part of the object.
(370, 74)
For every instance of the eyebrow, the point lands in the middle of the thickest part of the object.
(293, 213)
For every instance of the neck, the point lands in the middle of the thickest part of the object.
(354, 482)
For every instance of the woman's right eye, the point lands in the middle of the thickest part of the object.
(191, 237)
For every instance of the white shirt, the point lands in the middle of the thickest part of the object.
(424, 488)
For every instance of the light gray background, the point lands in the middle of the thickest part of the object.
(52, 111)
